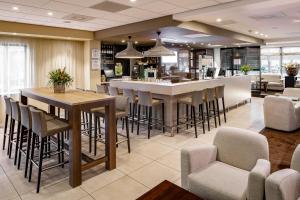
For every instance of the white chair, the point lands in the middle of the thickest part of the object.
(234, 167)
(281, 113)
(285, 184)
(291, 92)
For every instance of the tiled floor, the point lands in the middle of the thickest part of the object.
(150, 162)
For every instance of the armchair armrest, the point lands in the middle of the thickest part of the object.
(283, 185)
(256, 180)
(194, 158)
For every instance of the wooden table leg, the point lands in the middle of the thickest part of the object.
(110, 135)
(75, 147)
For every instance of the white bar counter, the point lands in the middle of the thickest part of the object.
(237, 90)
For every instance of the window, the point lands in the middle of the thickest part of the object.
(14, 73)
(290, 54)
(270, 60)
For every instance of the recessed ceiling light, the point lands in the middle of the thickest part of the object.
(132, 0)
(209, 44)
(50, 13)
(202, 43)
(256, 32)
(266, 36)
(123, 41)
(15, 8)
(219, 20)
(14, 33)
(262, 34)
(296, 20)
(136, 42)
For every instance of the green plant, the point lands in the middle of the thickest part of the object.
(246, 68)
(60, 77)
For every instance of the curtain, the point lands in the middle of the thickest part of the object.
(26, 63)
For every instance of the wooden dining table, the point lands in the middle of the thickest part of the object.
(74, 101)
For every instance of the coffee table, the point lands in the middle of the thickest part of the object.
(168, 191)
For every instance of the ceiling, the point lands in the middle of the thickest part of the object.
(36, 11)
(275, 19)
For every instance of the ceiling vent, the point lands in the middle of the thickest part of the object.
(278, 15)
(109, 6)
(78, 18)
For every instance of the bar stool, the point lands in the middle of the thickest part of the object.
(121, 113)
(132, 99)
(210, 100)
(145, 99)
(220, 95)
(8, 119)
(16, 118)
(195, 101)
(43, 129)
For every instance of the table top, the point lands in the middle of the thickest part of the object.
(70, 97)
(168, 191)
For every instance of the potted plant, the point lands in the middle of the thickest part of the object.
(245, 69)
(292, 69)
(59, 79)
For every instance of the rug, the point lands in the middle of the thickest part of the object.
(281, 147)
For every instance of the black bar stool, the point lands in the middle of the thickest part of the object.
(220, 93)
(121, 113)
(145, 99)
(210, 100)
(196, 100)
(43, 130)
(8, 119)
(132, 99)
(16, 119)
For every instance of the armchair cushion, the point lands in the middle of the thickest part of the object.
(219, 181)
(283, 185)
(256, 180)
(195, 157)
(241, 148)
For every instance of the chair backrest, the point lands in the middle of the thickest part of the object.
(210, 94)
(15, 110)
(113, 91)
(102, 89)
(26, 120)
(240, 148)
(292, 92)
(7, 105)
(122, 104)
(220, 91)
(130, 94)
(145, 98)
(198, 97)
(39, 124)
(295, 163)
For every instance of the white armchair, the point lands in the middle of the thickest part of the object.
(233, 168)
(285, 184)
(281, 113)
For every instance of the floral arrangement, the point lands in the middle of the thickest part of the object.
(59, 79)
(292, 69)
(246, 69)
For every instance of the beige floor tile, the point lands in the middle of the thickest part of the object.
(171, 160)
(178, 140)
(177, 182)
(87, 198)
(153, 150)
(154, 173)
(8, 191)
(125, 188)
(131, 162)
(101, 180)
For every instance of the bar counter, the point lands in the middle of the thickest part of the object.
(237, 90)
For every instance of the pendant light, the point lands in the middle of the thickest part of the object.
(129, 52)
(159, 49)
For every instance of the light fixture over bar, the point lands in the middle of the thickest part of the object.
(129, 52)
(159, 50)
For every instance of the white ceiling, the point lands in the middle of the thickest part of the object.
(35, 11)
(274, 18)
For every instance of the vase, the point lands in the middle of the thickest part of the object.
(60, 88)
(292, 71)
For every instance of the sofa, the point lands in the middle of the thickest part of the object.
(285, 184)
(274, 81)
(281, 113)
(234, 167)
